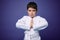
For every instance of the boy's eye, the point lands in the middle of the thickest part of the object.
(29, 10)
(34, 10)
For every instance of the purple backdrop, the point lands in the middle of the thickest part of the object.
(12, 10)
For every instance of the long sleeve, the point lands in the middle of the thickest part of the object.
(21, 24)
(41, 23)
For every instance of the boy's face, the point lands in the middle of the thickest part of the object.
(31, 12)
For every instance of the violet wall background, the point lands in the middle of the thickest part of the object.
(12, 10)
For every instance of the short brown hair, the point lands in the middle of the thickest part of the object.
(32, 5)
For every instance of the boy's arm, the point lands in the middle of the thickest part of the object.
(42, 24)
(21, 24)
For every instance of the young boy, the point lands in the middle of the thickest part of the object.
(32, 23)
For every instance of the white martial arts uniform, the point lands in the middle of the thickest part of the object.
(39, 23)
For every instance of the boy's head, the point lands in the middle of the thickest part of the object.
(32, 9)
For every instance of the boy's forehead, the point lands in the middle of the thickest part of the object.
(31, 8)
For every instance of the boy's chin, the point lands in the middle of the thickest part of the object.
(32, 16)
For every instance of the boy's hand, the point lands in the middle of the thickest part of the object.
(31, 23)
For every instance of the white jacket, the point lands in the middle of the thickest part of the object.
(39, 23)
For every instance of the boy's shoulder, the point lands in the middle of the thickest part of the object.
(39, 17)
(24, 17)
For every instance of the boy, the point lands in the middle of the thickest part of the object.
(32, 23)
